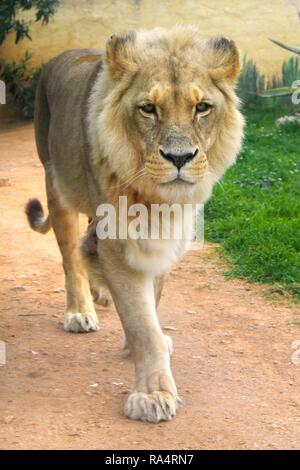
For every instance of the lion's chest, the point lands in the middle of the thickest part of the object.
(154, 257)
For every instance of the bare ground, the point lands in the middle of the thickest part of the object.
(232, 359)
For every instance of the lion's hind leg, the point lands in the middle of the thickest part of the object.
(98, 286)
(80, 315)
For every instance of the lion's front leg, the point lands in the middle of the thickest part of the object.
(154, 397)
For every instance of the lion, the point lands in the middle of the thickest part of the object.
(154, 118)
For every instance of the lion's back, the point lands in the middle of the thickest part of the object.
(60, 112)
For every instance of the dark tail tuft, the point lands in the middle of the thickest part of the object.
(35, 216)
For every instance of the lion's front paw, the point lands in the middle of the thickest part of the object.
(152, 407)
(81, 322)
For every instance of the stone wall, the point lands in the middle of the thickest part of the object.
(87, 23)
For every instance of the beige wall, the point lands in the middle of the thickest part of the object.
(87, 23)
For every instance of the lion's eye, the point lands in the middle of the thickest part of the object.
(203, 107)
(148, 108)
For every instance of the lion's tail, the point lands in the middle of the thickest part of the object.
(36, 217)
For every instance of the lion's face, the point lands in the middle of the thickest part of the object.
(172, 109)
(173, 123)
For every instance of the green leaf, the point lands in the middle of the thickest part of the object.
(283, 91)
(296, 50)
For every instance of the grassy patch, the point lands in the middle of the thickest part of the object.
(255, 212)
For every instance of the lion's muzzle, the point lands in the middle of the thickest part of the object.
(179, 159)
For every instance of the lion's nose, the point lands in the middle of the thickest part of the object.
(179, 159)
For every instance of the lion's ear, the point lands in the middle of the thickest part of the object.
(120, 54)
(222, 58)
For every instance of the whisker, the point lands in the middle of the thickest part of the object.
(134, 179)
(131, 177)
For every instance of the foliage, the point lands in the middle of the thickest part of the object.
(8, 16)
(282, 87)
(250, 83)
(290, 73)
(21, 82)
(254, 213)
(19, 78)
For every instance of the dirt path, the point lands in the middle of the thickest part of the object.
(232, 359)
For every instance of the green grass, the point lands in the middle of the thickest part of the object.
(255, 211)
